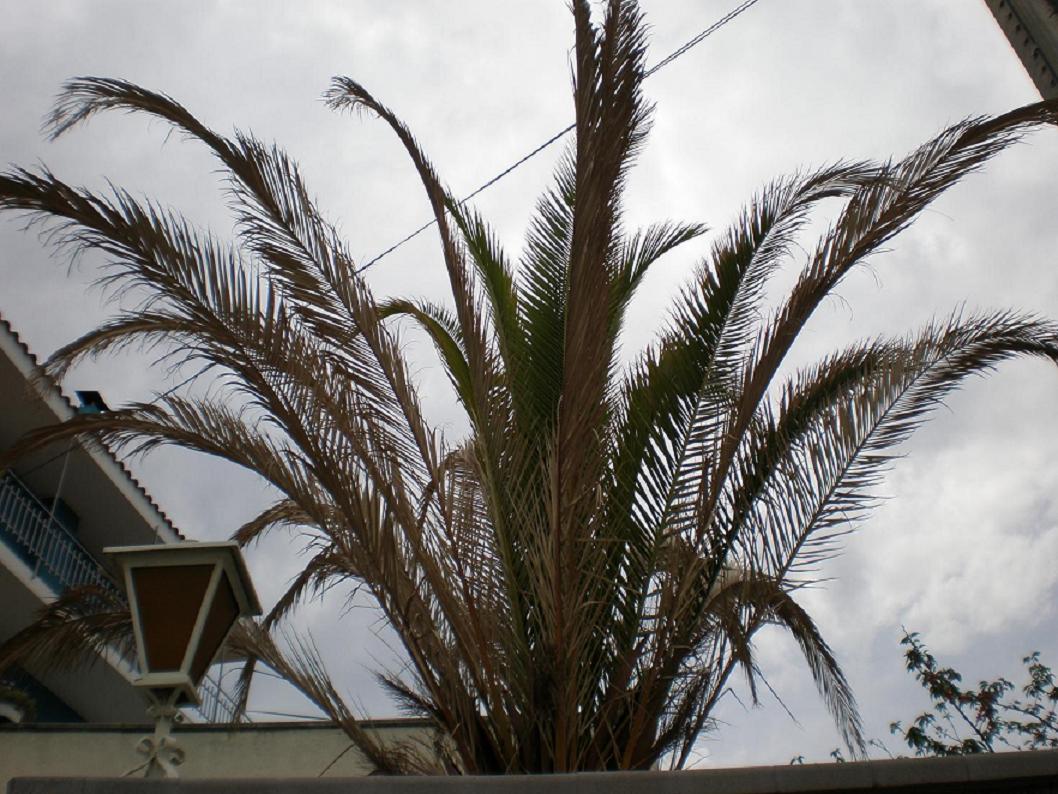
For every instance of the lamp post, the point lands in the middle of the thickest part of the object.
(185, 599)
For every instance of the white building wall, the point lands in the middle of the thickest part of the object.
(257, 750)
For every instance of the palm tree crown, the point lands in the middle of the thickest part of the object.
(575, 581)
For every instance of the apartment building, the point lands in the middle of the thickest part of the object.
(58, 509)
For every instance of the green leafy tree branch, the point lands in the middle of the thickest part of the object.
(992, 716)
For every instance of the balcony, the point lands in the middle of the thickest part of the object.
(32, 531)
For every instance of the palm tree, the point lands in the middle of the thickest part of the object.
(575, 581)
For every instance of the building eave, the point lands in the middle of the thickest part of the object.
(49, 392)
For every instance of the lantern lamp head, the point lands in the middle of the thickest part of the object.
(185, 599)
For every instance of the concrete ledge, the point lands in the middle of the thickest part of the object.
(252, 750)
(88, 728)
(1026, 773)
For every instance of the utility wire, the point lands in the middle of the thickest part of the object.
(728, 17)
(464, 200)
(152, 401)
(709, 31)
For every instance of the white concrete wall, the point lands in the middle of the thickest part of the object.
(304, 750)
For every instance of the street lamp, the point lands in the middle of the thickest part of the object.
(185, 599)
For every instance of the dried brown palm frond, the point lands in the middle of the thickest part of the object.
(575, 581)
(81, 627)
(301, 665)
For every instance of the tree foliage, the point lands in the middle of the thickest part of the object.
(992, 716)
(576, 580)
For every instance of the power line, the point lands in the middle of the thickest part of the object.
(184, 382)
(728, 17)
(709, 31)
(152, 401)
(467, 198)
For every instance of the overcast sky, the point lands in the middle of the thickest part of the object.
(964, 551)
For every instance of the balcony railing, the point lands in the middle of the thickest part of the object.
(44, 544)
(29, 528)
(217, 705)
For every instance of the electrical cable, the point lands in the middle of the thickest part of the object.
(152, 401)
(728, 17)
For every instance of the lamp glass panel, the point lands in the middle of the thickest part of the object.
(169, 599)
(222, 614)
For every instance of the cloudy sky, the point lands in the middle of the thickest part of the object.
(963, 549)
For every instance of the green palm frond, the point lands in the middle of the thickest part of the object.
(496, 276)
(544, 274)
(445, 334)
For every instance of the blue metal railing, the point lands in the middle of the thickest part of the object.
(45, 545)
(57, 558)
